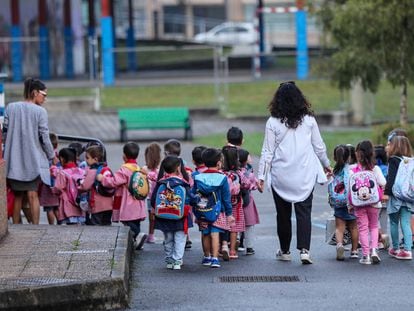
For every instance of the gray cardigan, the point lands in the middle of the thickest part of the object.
(27, 149)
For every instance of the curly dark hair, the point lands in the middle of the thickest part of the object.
(289, 105)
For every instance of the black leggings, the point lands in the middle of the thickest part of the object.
(284, 224)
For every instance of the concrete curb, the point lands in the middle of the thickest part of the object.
(98, 294)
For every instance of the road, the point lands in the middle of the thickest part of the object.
(325, 285)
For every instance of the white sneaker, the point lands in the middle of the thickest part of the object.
(374, 257)
(305, 257)
(365, 260)
(177, 265)
(283, 256)
(140, 240)
(340, 250)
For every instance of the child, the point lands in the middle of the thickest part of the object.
(100, 203)
(251, 216)
(198, 161)
(398, 210)
(69, 212)
(352, 156)
(381, 160)
(342, 216)
(367, 215)
(237, 181)
(173, 148)
(48, 195)
(234, 137)
(212, 179)
(174, 230)
(131, 210)
(152, 160)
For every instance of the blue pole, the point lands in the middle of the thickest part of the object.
(302, 63)
(68, 51)
(16, 53)
(132, 63)
(108, 65)
(44, 53)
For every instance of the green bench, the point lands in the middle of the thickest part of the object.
(154, 118)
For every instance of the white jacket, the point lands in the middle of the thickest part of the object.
(291, 157)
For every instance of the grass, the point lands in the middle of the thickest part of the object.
(253, 141)
(244, 98)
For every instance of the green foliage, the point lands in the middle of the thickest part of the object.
(381, 132)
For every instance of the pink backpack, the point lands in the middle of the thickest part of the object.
(74, 176)
(363, 188)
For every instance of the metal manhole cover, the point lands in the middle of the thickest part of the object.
(258, 278)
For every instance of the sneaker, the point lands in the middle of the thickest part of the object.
(206, 261)
(250, 251)
(374, 257)
(283, 256)
(305, 257)
(225, 252)
(365, 260)
(340, 252)
(150, 239)
(177, 265)
(170, 263)
(404, 255)
(188, 244)
(140, 240)
(354, 255)
(215, 263)
(393, 252)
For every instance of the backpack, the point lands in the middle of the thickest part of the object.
(404, 180)
(338, 189)
(170, 199)
(138, 185)
(234, 184)
(72, 192)
(245, 193)
(363, 188)
(209, 206)
(104, 191)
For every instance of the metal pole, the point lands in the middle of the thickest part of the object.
(261, 33)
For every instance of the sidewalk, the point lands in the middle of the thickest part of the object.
(65, 267)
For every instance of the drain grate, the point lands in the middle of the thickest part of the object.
(258, 278)
(27, 282)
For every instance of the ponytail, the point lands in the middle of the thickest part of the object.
(341, 155)
(31, 85)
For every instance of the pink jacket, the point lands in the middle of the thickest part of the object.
(131, 209)
(98, 202)
(66, 209)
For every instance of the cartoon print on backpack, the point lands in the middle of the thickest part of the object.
(363, 188)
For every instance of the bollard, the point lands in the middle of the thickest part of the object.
(3, 196)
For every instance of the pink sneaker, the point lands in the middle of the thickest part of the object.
(151, 239)
(404, 255)
(393, 252)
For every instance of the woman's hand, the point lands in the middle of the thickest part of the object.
(328, 171)
(260, 185)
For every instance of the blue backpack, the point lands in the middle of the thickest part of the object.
(403, 187)
(170, 199)
(208, 208)
(338, 189)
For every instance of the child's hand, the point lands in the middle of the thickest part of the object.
(385, 198)
(260, 185)
(144, 170)
(99, 177)
(231, 220)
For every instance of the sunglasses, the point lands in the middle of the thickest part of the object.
(43, 93)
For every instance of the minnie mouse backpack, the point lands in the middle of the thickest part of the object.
(363, 188)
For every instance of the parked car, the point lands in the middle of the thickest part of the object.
(229, 33)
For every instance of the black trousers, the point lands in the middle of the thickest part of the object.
(284, 224)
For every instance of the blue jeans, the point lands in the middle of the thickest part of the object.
(404, 217)
(174, 245)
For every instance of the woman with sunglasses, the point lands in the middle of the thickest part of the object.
(27, 147)
(291, 159)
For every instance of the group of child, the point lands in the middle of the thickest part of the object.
(367, 174)
(84, 190)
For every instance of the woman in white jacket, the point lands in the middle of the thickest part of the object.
(292, 154)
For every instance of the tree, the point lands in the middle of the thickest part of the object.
(373, 39)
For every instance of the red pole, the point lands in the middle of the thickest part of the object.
(42, 13)
(300, 4)
(15, 14)
(106, 8)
